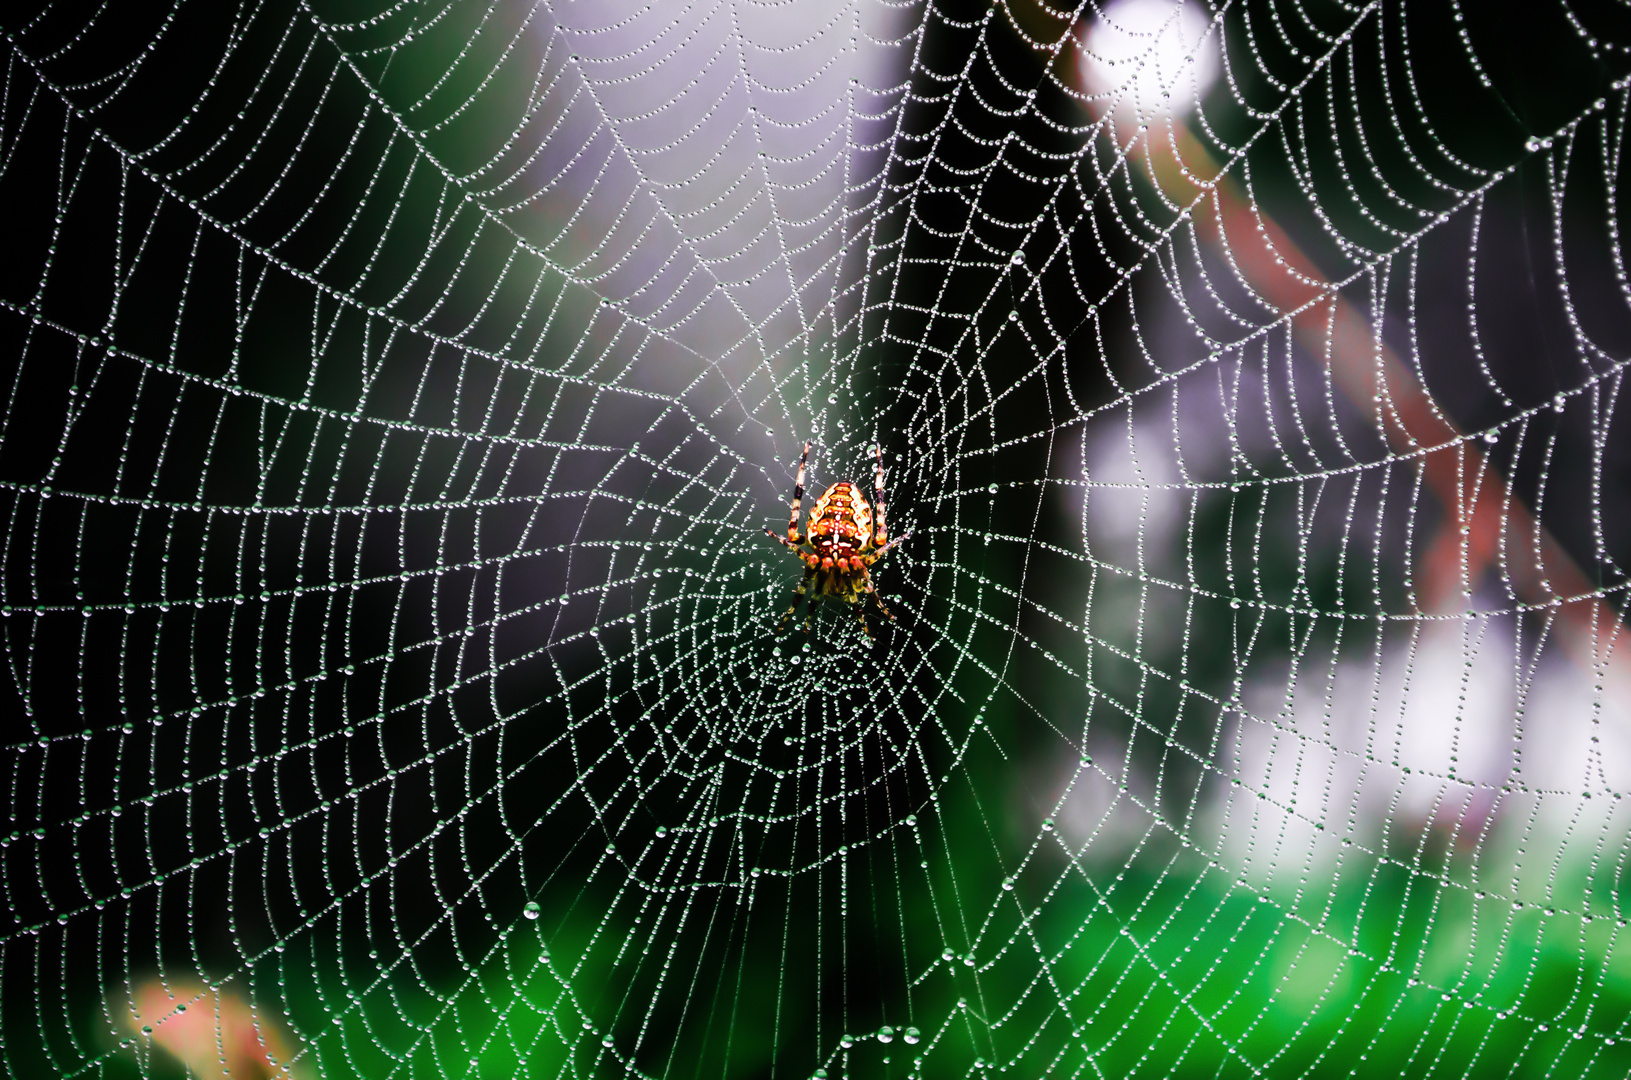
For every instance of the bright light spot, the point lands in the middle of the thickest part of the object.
(1150, 58)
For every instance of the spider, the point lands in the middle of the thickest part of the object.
(844, 540)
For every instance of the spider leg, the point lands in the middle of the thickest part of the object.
(881, 533)
(780, 539)
(876, 599)
(798, 497)
(798, 594)
(878, 554)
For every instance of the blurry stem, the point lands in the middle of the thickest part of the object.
(1486, 522)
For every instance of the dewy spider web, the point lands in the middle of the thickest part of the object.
(398, 395)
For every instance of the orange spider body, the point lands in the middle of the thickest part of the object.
(844, 540)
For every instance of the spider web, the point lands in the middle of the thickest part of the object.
(398, 395)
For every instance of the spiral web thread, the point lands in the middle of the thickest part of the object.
(398, 397)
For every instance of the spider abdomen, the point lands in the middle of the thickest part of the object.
(840, 521)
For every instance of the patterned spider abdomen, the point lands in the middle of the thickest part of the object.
(840, 522)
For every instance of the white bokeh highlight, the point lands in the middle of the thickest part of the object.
(1146, 59)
